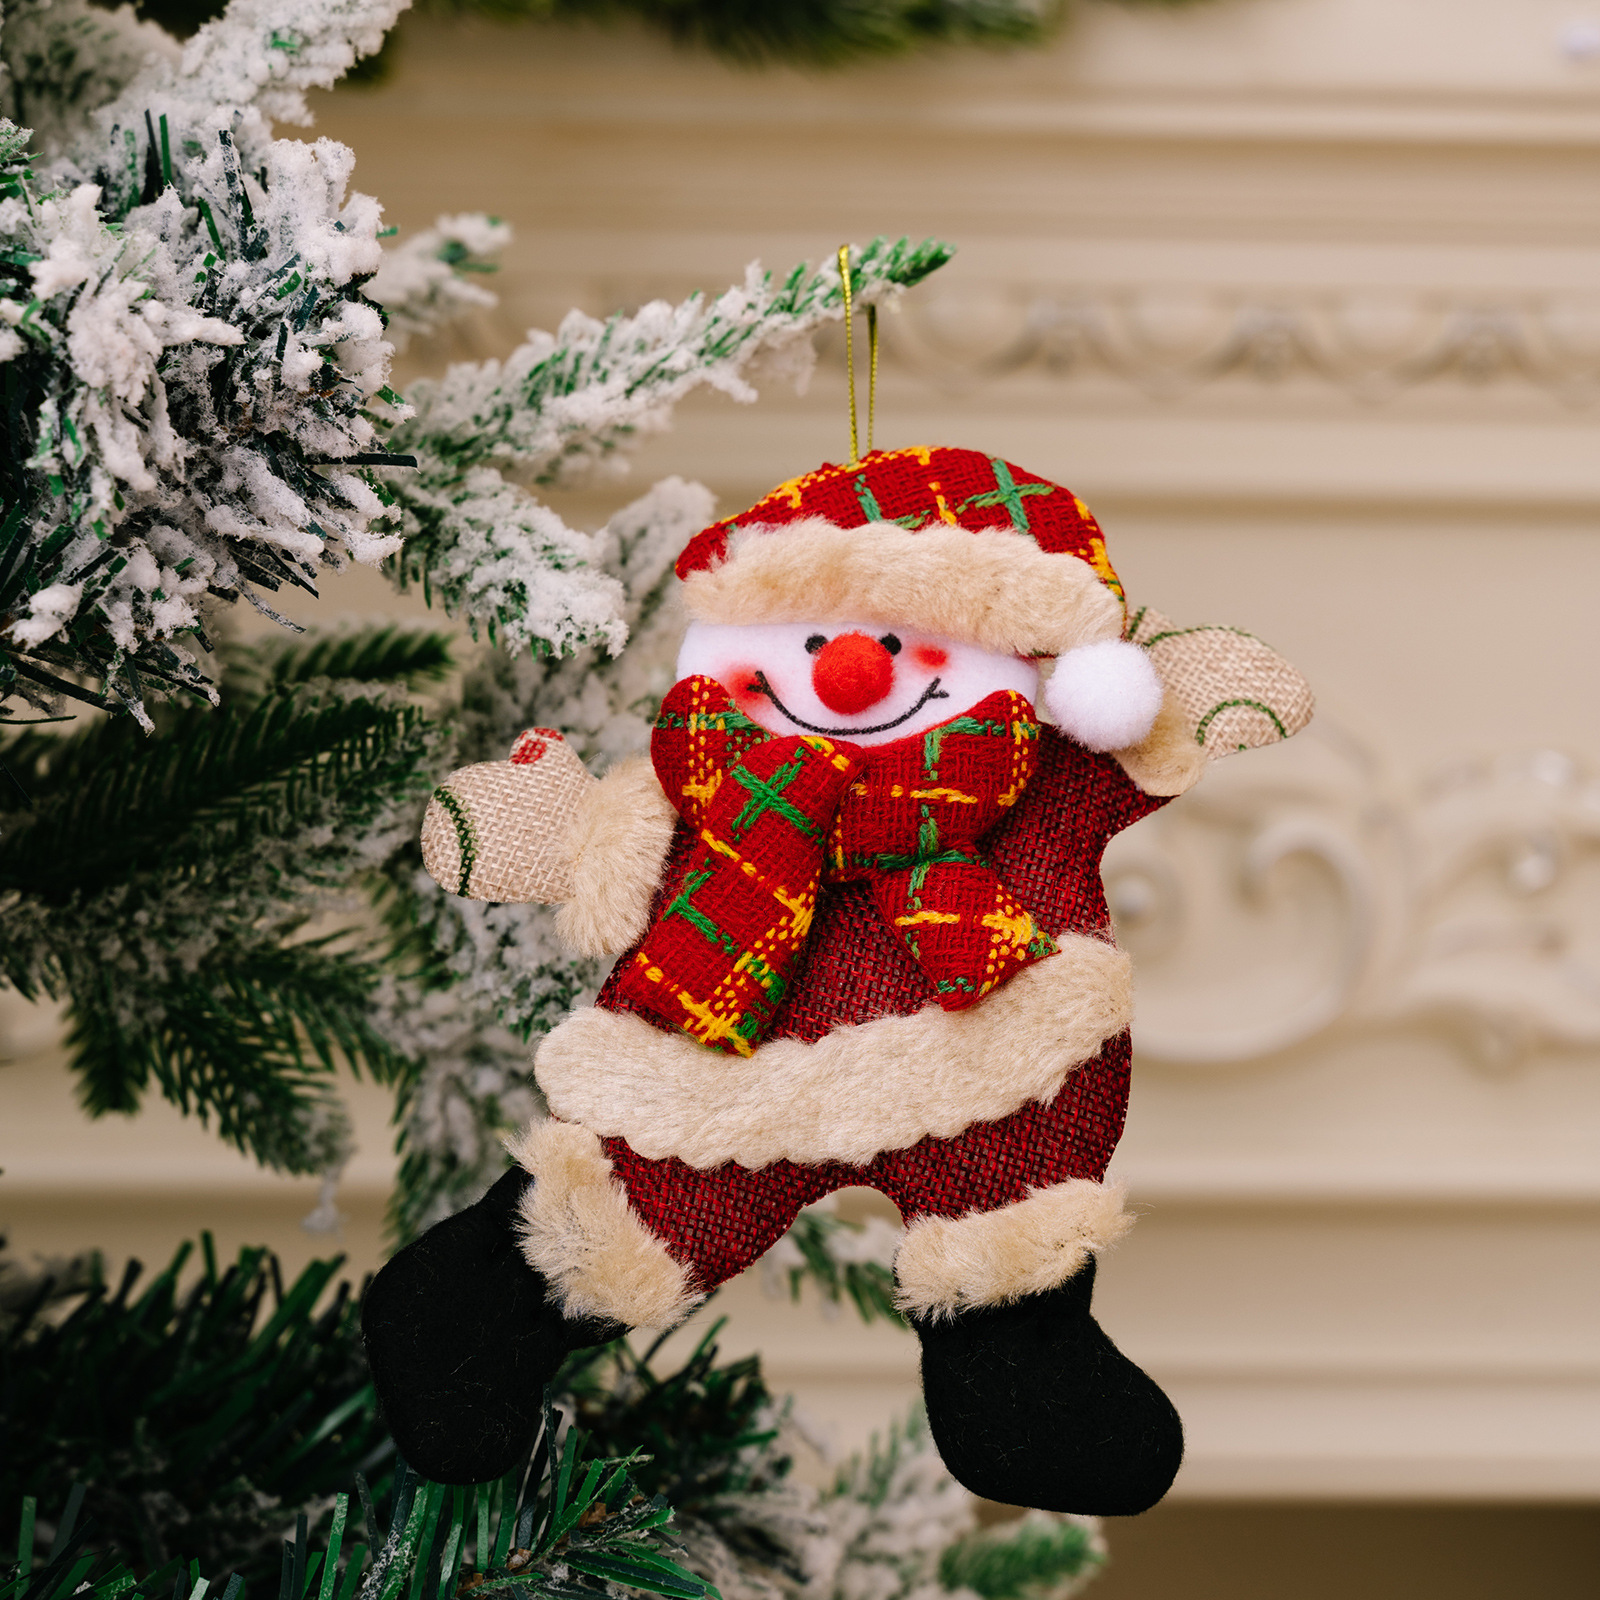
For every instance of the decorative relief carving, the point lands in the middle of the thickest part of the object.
(1302, 892)
(1169, 343)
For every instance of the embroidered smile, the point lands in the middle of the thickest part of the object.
(932, 692)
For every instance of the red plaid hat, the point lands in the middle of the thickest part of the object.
(955, 541)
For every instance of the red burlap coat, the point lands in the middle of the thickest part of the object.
(716, 1222)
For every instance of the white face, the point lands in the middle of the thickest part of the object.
(859, 681)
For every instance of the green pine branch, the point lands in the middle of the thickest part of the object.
(208, 1419)
(194, 1420)
(696, 1433)
(166, 888)
(251, 1038)
(562, 404)
(567, 1526)
(825, 33)
(109, 803)
(376, 655)
(1038, 1558)
(869, 1285)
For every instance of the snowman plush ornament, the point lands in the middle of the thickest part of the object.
(861, 939)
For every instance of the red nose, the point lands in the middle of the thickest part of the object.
(851, 673)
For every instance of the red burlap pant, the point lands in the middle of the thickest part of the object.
(718, 1221)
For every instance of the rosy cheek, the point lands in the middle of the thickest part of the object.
(930, 657)
(743, 683)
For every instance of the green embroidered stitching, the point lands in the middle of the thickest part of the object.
(1008, 493)
(1226, 705)
(681, 906)
(466, 835)
(773, 985)
(729, 721)
(767, 795)
(1179, 633)
(886, 862)
(933, 740)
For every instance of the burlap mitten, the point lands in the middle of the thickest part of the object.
(1235, 693)
(497, 830)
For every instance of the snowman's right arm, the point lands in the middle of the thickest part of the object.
(617, 842)
(540, 827)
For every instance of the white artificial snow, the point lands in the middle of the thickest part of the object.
(215, 358)
(891, 1515)
(49, 612)
(62, 59)
(421, 283)
(264, 55)
(595, 382)
(878, 1533)
(136, 316)
(503, 554)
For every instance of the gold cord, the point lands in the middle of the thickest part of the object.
(872, 380)
(850, 357)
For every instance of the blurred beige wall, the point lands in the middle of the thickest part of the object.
(1303, 296)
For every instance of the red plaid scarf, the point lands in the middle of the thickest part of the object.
(777, 815)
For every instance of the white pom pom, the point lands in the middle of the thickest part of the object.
(1105, 695)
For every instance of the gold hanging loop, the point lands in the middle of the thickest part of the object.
(872, 379)
(850, 357)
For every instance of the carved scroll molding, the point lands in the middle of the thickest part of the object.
(1304, 893)
(1371, 345)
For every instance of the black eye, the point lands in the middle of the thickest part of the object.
(816, 642)
(891, 643)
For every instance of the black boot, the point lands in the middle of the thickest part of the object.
(1031, 1404)
(461, 1340)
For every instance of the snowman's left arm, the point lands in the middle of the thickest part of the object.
(1226, 691)
(541, 828)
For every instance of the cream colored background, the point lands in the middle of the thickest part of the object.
(1302, 296)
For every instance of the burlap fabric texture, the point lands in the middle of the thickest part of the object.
(496, 830)
(1236, 692)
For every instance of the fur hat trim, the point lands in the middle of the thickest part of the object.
(994, 588)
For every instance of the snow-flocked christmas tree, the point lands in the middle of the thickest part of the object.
(196, 368)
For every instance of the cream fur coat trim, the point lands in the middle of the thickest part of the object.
(578, 1231)
(991, 1258)
(1167, 761)
(880, 1085)
(616, 844)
